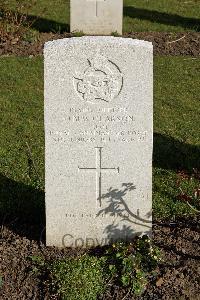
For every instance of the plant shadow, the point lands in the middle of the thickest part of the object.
(122, 226)
(22, 207)
(162, 18)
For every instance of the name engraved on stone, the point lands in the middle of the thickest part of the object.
(101, 81)
(98, 135)
(99, 170)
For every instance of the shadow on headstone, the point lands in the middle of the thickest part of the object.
(116, 206)
(22, 208)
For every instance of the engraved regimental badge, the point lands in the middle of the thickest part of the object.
(100, 81)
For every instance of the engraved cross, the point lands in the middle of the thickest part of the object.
(96, 4)
(99, 170)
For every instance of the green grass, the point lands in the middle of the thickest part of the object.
(177, 138)
(139, 15)
(161, 15)
(92, 273)
(79, 279)
(176, 128)
(21, 110)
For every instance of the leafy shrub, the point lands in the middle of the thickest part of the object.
(79, 278)
(88, 276)
(131, 264)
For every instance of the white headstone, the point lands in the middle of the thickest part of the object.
(96, 17)
(98, 132)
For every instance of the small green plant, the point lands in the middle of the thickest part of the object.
(37, 259)
(130, 264)
(79, 278)
(30, 36)
(1, 281)
(78, 33)
(38, 264)
(115, 33)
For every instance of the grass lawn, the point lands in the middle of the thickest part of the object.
(176, 127)
(161, 15)
(139, 15)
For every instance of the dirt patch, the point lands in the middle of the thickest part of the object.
(179, 273)
(164, 43)
(172, 44)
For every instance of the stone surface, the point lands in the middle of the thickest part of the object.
(96, 17)
(98, 132)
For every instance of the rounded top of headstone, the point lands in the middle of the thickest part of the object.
(98, 40)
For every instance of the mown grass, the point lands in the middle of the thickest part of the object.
(176, 134)
(176, 131)
(21, 110)
(161, 15)
(139, 15)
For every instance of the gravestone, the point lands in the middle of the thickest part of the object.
(96, 17)
(98, 140)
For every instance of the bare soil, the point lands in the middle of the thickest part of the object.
(185, 43)
(178, 273)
